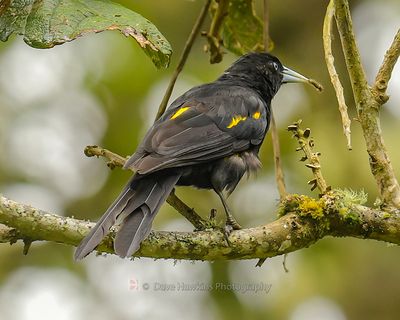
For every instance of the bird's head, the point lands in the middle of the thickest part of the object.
(264, 72)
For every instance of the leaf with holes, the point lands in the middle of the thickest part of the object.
(46, 23)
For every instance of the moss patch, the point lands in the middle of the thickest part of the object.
(311, 207)
(303, 205)
(345, 199)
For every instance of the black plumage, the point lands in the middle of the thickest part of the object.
(208, 138)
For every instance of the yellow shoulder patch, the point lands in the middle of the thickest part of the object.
(257, 115)
(235, 121)
(179, 112)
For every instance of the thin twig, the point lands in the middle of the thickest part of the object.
(279, 176)
(266, 26)
(284, 263)
(327, 40)
(198, 222)
(306, 144)
(260, 262)
(188, 46)
(116, 160)
(385, 71)
(213, 36)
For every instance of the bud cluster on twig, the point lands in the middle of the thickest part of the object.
(306, 145)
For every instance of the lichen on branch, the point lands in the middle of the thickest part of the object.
(303, 221)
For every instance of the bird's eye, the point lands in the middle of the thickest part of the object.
(275, 65)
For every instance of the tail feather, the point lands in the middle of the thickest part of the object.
(137, 225)
(136, 208)
(127, 241)
(102, 227)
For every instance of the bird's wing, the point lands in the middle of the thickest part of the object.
(202, 130)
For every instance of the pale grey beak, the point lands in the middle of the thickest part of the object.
(292, 76)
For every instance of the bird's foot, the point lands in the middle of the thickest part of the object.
(230, 225)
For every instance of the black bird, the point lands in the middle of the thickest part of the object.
(208, 138)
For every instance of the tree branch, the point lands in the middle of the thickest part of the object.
(385, 71)
(114, 160)
(189, 213)
(8, 234)
(351, 53)
(368, 110)
(304, 221)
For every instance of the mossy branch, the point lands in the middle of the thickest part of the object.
(368, 105)
(8, 234)
(303, 222)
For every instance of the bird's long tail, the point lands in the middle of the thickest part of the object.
(135, 208)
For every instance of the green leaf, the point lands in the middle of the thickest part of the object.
(242, 29)
(46, 23)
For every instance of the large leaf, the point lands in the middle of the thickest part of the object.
(242, 30)
(46, 23)
(236, 27)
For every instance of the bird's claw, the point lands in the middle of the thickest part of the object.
(230, 225)
(227, 231)
(233, 224)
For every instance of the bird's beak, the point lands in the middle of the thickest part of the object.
(292, 76)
